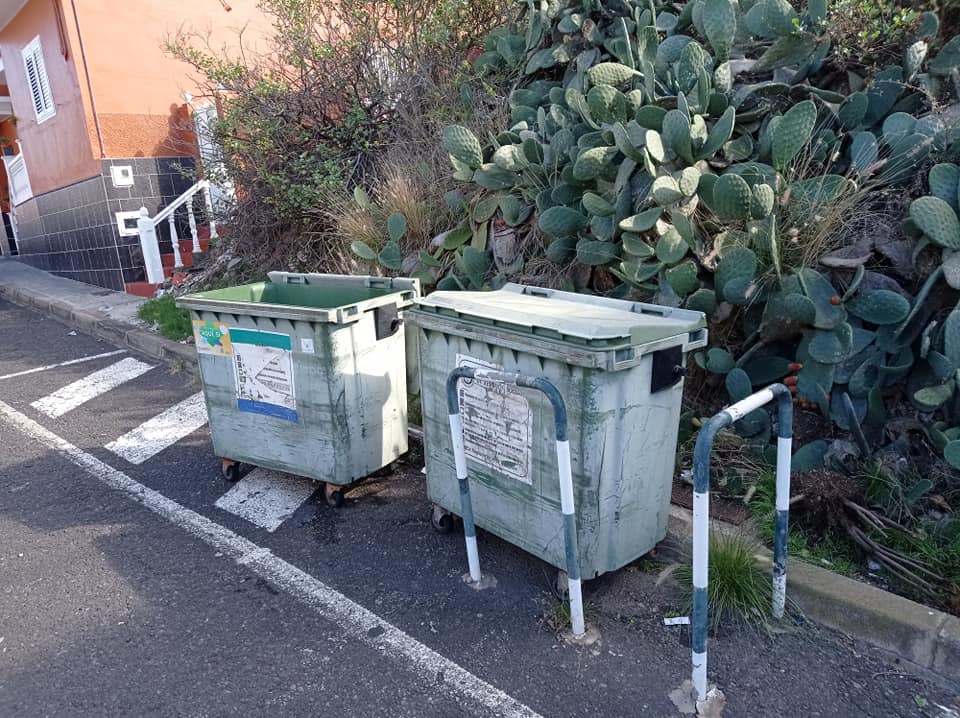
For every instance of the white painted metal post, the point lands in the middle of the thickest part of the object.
(193, 226)
(174, 240)
(701, 516)
(208, 204)
(574, 587)
(469, 531)
(151, 250)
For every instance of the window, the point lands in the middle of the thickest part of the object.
(38, 82)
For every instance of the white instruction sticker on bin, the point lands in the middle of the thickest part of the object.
(497, 423)
(306, 345)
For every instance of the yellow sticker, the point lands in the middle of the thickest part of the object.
(212, 337)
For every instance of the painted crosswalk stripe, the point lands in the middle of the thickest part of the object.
(163, 430)
(81, 360)
(267, 498)
(90, 387)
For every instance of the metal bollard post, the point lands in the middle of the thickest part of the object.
(701, 515)
(577, 623)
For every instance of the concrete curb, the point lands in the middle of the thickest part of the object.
(143, 341)
(926, 639)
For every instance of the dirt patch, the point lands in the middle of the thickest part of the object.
(722, 509)
(820, 497)
(809, 426)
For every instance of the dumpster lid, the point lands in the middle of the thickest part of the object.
(331, 298)
(583, 319)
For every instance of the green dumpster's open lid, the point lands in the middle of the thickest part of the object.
(596, 321)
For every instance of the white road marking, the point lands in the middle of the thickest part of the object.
(354, 620)
(163, 430)
(63, 363)
(267, 498)
(90, 387)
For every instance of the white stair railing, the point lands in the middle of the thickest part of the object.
(147, 229)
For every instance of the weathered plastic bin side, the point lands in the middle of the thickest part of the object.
(350, 395)
(622, 439)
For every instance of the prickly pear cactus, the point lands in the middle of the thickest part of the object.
(644, 160)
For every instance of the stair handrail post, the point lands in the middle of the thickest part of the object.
(174, 240)
(208, 206)
(150, 247)
(192, 219)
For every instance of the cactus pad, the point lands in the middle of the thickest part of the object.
(610, 73)
(597, 205)
(561, 222)
(636, 246)
(720, 26)
(761, 201)
(590, 163)
(671, 247)
(864, 152)
(595, 253)
(463, 144)
(676, 134)
(738, 384)
(937, 220)
(641, 222)
(831, 346)
(720, 133)
(666, 191)
(489, 176)
(879, 306)
(764, 370)
(780, 17)
(511, 158)
(944, 181)
(683, 278)
(737, 263)
(793, 132)
(731, 197)
(688, 181)
(703, 300)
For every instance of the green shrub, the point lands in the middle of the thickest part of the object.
(738, 588)
(338, 87)
(171, 321)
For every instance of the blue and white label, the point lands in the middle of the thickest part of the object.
(263, 370)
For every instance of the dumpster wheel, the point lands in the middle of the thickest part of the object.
(334, 494)
(441, 520)
(230, 470)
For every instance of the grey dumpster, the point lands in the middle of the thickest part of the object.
(619, 367)
(306, 374)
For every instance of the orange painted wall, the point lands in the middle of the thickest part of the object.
(57, 152)
(137, 87)
(8, 135)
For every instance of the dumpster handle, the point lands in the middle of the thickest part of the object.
(563, 462)
(701, 513)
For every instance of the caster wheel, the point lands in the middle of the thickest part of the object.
(333, 495)
(230, 471)
(441, 521)
(562, 585)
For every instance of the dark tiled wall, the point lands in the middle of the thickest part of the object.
(72, 231)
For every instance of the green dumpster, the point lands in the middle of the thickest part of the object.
(619, 366)
(306, 374)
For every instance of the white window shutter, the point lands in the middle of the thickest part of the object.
(38, 81)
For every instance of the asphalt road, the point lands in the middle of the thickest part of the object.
(125, 590)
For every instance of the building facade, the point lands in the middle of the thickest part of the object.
(96, 123)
